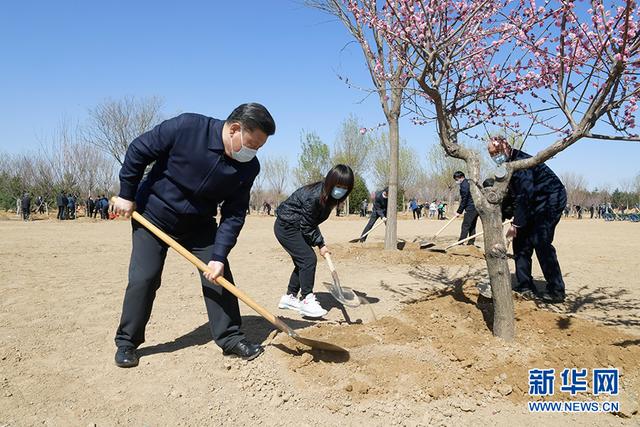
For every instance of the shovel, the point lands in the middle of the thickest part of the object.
(384, 220)
(425, 245)
(459, 242)
(344, 296)
(275, 321)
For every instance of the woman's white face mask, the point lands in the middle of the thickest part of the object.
(338, 192)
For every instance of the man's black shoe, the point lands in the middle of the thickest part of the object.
(552, 297)
(525, 292)
(245, 350)
(126, 357)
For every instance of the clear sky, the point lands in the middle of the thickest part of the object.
(61, 58)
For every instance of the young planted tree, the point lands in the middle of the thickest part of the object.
(385, 59)
(562, 67)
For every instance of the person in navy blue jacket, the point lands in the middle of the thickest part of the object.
(539, 198)
(470, 218)
(200, 162)
(379, 211)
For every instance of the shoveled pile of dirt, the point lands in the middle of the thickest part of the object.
(442, 347)
(410, 254)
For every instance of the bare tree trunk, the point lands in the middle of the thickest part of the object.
(391, 236)
(499, 275)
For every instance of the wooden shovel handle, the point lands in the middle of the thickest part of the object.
(444, 226)
(384, 221)
(220, 280)
(330, 262)
(473, 237)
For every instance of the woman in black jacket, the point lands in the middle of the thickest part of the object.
(296, 229)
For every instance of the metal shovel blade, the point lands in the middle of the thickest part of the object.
(318, 345)
(344, 296)
(426, 245)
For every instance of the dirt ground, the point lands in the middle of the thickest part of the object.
(420, 351)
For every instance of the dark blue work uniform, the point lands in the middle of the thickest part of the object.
(379, 211)
(539, 198)
(191, 176)
(470, 218)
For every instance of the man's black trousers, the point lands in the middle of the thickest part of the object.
(538, 235)
(145, 269)
(469, 222)
(372, 220)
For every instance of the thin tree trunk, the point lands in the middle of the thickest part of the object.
(499, 275)
(391, 236)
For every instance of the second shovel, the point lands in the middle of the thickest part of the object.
(344, 296)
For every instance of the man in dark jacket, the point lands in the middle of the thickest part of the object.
(25, 206)
(466, 205)
(61, 203)
(379, 211)
(71, 206)
(266, 207)
(104, 207)
(363, 207)
(200, 162)
(89, 206)
(539, 199)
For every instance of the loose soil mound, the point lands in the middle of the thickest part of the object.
(442, 347)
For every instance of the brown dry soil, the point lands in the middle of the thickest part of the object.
(421, 350)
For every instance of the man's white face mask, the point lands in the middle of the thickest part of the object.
(245, 154)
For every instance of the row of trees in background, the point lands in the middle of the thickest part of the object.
(368, 155)
(78, 159)
(626, 195)
(84, 161)
(64, 162)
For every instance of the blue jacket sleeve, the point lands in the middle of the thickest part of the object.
(465, 197)
(523, 187)
(379, 206)
(142, 151)
(233, 213)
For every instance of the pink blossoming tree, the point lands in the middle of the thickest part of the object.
(563, 69)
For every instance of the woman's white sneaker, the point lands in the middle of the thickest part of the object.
(289, 302)
(310, 307)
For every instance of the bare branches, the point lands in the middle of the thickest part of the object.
(114, 124)
(277, 173)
